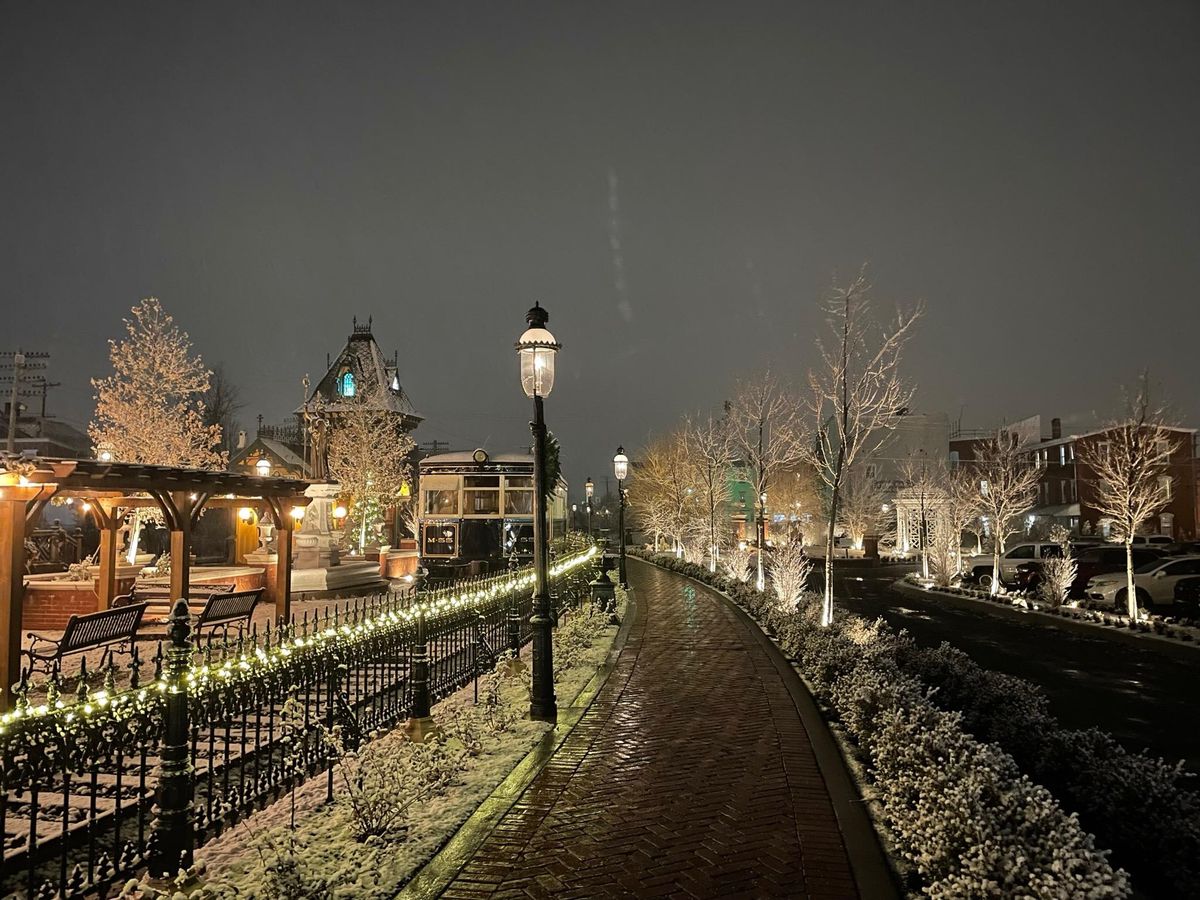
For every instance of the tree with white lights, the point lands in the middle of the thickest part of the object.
(709, 457)
(855, 396)
(368, 458)
(861, 508)
(151, 409)
(1130, 463)
(1008, 484)
(765, 433)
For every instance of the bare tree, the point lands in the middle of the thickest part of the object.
(658, 490)
(796, 493)
(710, 456)
(1008, 483)
(960, 507)
(855, 396)
(368, 458)
(222, 403)
(1130, 463)
(861, 505)
(765, 433)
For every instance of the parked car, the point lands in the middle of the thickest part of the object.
(980, 567)
(1091, 560)
(1154, 583)
(1152, 540)
(1187, 597)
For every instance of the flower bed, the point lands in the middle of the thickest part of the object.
(396, 802)
(959, 810)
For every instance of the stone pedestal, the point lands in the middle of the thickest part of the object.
(316, 545)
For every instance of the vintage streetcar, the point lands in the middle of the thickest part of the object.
(476, 512)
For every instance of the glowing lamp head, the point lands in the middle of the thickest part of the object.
(105, 455)
(245, 513)
(620, 464)
(339, 512)
(589, 488)
(297, 513)
(262, 467)
(537, 350)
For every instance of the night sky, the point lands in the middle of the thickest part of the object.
(1032, 171)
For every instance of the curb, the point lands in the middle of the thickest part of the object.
(873, 872)
(1152, 643)
(432, 878)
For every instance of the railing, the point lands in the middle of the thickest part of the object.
(98, 783)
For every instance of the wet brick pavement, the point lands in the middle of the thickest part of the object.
(691, 775)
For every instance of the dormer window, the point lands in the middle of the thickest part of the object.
(345, 383)
(396, 383)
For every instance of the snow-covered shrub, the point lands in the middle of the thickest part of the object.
(736, 561)
(576, 635)
(496, 707)
(790, 568)
(380, 785)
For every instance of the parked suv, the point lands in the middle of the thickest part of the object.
(1187, 597)
(1154, 583)
(980, 567)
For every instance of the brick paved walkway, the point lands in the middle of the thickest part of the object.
(690, 775)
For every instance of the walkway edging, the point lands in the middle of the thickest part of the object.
(444, 866)
(873, 871)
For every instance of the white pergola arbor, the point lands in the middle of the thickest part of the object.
(922, 517)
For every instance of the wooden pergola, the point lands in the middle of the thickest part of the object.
(110, 489)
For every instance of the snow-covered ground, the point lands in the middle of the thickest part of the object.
(377, 868)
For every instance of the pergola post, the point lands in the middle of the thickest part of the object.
(283, 565)
(106, 585)
(14, 502)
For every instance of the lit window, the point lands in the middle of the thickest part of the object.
(346, 385)
(1164, 486)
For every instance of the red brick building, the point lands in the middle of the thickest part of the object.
(1066, 485)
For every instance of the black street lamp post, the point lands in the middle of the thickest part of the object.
(537, 350)
(589, 489)
(621, 469)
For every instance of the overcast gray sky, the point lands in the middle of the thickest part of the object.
(269, 170)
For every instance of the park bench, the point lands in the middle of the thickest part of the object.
(87, 632)
(223, 609)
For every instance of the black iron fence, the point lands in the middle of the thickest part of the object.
(98, 782)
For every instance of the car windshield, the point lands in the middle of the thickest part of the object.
(1149, 567)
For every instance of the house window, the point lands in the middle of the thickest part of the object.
(345, 384)
(1164, 486)
(872, 471)
(1162, 449)
(1071, 452)
(983, 487)
(1062, 485)
(1062, 454)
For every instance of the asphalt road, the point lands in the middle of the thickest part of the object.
(1149, 701)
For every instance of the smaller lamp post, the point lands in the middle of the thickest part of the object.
(589, 489)
(620, 470)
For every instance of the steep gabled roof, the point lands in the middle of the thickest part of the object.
(376, 380)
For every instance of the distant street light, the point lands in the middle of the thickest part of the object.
(537, 350)
(589, 489)
(620, 470)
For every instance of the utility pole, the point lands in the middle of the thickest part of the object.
(16, 364)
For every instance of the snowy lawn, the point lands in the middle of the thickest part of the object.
(329, 860)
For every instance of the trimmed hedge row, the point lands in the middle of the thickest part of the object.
(959, 809)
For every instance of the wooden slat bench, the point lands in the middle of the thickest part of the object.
(223, 609)
(87, 632)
